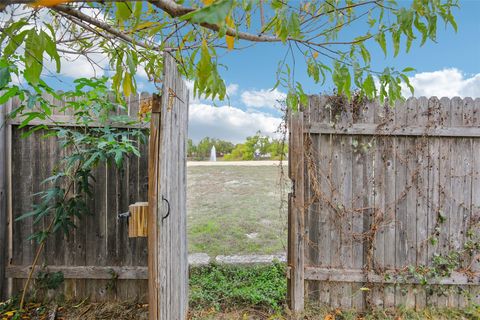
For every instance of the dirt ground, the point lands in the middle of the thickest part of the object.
(134, 311)
(124, 311)
(236, 209)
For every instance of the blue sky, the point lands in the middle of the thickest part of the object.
(447, 68)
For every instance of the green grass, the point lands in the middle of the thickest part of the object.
(235, 210)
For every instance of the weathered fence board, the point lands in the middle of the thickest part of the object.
(100, 240)
(3, 198)
(296, 215)
(167, 239)
(386, 191)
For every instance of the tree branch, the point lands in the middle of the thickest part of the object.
(175, 10)
(104, 26)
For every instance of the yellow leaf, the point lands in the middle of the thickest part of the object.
(145, 25)
(127, 84)
(315, 54)
(329, 317)
(207, 2)
(229, 39)
(48, 3)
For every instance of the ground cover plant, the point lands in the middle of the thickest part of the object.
(230, 293)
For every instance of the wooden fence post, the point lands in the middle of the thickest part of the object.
(3, 199)
(153, 163)
(296, 240)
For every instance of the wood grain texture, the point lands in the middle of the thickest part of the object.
(3, 200)
(167, 239)
(296, 242)
(100, 238)
(413, 190)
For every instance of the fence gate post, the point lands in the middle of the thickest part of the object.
(296, 214)
(167, 231)
(3, 198)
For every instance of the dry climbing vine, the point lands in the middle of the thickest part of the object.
(325, 183)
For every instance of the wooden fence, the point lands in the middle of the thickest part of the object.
(98, 259)
(385, 199)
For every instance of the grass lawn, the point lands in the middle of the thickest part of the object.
(236, 210)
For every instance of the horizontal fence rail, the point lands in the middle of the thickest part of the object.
(391, 203)
(98, 259)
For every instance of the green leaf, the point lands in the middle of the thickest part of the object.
(214, 13)
(432, 27)
(422, 28)
(292, 101)
(369, 87)
(396, 42)
(408, 69)
(8, 94)
(34, 46)
(380, 39)
(5, 77)
(51, 49)
(294, 26)
(124, 10)
(365, 54)
(407, 82)
(16, 40)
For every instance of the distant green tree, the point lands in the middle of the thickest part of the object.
(264, 145)
(191, 149)
(204, 147)
(223, 147)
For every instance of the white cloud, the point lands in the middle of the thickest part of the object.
(78, 66)
(262, 98)
(444, 83)
(228, 123)
(232, 89)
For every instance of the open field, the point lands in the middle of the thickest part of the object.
(236, 208)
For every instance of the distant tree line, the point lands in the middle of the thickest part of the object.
(201, 151)
(257, 147)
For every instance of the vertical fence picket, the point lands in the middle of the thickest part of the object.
(296, 242)
(389, 216)
(433, 205)
(323, 243)
(422, 167)
(3, 199)
(475, 205)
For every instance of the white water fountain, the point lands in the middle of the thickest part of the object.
(213, 154)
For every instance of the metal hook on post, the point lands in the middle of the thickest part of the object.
(168, 208)
(124, 215)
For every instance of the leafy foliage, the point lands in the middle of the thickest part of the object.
(89, 145)
(94, 139)
(274, 149)
(222, 286)
(202, 150)
(132, 34)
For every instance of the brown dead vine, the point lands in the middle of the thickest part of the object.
(324, 190)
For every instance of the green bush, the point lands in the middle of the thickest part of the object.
(226, 286)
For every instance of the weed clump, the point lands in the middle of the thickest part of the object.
(227, 287)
